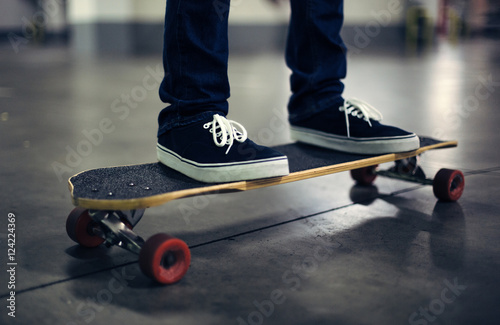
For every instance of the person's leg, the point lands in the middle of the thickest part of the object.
(318, 114)
(195, 59)
(317, 57)
(194, 136)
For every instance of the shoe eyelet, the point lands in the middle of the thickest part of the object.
(206, 125)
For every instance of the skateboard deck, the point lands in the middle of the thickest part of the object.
(146, 185)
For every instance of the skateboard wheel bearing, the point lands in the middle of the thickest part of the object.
(164, 258)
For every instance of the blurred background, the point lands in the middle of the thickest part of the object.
(135, 26)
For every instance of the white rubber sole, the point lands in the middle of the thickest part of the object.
(371, 146)
(225, 172)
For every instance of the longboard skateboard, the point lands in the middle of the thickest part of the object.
(111, 201)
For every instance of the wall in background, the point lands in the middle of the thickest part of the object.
(12, 11)
(136, 26)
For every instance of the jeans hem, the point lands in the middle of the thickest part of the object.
(179, 121)
(313, 109)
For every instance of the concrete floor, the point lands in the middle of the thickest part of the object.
(321, 251)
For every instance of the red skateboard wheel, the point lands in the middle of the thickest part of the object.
(79, 228)
(448, 185)
(365, 175)
(164, 258)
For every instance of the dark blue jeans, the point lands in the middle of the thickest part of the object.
(195, 59)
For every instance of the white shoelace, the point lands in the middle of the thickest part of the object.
(360, 109)
(229, 131)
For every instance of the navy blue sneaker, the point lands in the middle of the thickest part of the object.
(217, 150)
(355, 128)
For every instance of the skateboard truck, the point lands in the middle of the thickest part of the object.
(408, 170)
(447, 185)
(162, 257)
(115, 227)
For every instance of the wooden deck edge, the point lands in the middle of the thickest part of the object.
(156, 200)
